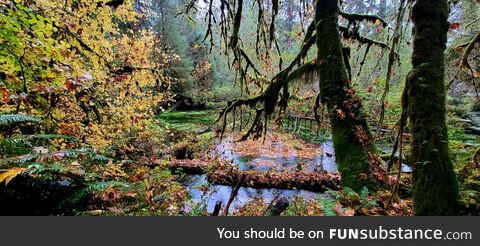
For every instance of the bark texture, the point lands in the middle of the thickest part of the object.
(352, 138)
(435, 187)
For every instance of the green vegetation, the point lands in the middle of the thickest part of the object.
(188, 120)
(101, 105)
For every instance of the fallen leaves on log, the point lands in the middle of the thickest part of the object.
(313, 181)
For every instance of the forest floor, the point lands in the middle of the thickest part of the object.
(280, 151)
(309, 150)
(142, 185)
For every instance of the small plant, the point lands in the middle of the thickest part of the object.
(9, 119)
(346, 202)
(328, 204)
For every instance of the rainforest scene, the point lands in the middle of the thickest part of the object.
(239, 107)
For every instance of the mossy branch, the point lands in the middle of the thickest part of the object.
(270, 96)
(347, 34)
(351, 17)
(468, 50)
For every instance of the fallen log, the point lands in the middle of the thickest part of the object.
(314, 181)
(233, 194)
(190, 166)
(227, 175)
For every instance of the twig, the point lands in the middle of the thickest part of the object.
(233, 194)
(218, 207)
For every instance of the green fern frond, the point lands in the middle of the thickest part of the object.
(90, 153)
(8, 119)
(70, 153)
(365, 200)
(100, 158)
(29, 139)
(18, 160)
(100, 186)
(95, 187)
(40, 168)
(328, 204)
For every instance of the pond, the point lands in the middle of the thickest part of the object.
(278, 152)
(278, 157)
(245, 194)
(275, 155)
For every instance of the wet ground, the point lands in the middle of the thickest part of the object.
(284, 151)
(271, 155)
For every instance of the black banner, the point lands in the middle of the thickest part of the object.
(239, 231)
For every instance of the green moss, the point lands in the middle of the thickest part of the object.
(188, 120)
(351, 134)
(434, 184)
(352, 159)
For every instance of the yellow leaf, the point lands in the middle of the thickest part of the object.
(340, 113)
(476, 74)
(9, 174)
(378, 22)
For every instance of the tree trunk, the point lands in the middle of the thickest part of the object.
(290, 15)
(435, 188)
(352, 139)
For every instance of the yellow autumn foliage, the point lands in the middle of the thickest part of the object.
(8, 174)
(91, 70)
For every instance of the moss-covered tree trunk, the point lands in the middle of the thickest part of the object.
(352, 139)
(435, 189)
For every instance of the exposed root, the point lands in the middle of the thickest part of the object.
(469, 48)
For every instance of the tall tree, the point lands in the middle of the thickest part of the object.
(355, 151)
(353, 143)
(435, 188)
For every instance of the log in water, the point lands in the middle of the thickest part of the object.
(314, 181)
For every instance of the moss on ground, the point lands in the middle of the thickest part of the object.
(188, 120)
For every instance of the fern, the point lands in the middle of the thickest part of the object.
(90, 153)
(328, 204)
(29, 139)
(8, 119)
(94, 187)
(18, 160)
(70, 153)
(100, 158)
(40, 168)
(19, 144)
(365, 200)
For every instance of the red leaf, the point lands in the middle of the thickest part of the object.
(369, 89)
(72, 84)
(343, 212)
(454, 26)
(23, 98)
(4, 94)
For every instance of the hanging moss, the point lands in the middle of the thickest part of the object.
(435, 188)
(352, 138)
